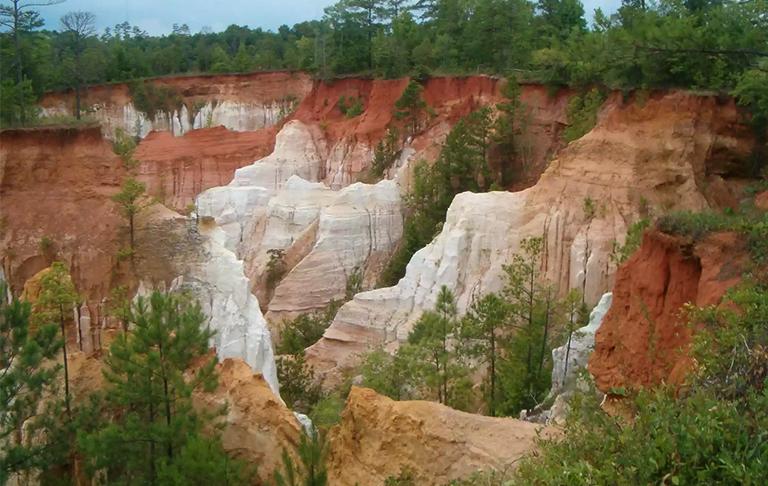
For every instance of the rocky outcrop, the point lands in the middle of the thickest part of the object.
(257, 425)
(55, 185)
(636, 158)
(378, 436)
(238, 102)
(327, 235)
(174, 252)
(177, 169)
(643, 337)
(570, 359)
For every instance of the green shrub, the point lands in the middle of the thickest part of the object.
(297, 382)
(303, 331)
(588, 207)
(694, 225)
(276, 268)
(632, 242)
(355, 110)
(152, 99)
(582, 114)
(327, 411)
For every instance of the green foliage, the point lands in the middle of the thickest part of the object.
(589, 208)
(297, 385)
(327, 411)
(155, 434)
(434, 361)
(124, 254)
(407, 477)
(119, 306)
(693, 225)
(391, 376)
(129, 201)
(27, 359)
(54, 304)
(534, 309)
(303, 331)
(510, 137)
(632, 242)
(387, 152)
(123, 145)
(276, 268)
(17, 100)
(154, 99)
(409, 107)
(582, 114)
(709, 432)
(487, 326)
(46, 244)
(355, 110)
(310, 470)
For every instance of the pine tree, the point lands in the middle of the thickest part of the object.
(54, 304)
(534, 314)
(487, 326)
(410, 106)
(157, 437)
(310, 470)
(433, 353)
(387, 151)
(128, 199)
(26, 378)
(243, 62)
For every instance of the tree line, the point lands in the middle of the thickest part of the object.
(699, 44)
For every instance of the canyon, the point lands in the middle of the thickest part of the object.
(256, 164)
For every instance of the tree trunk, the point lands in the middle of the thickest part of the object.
(130, 224)
(152, 473)
(19, 69)
(492, 404)
(567, 356)
(544, 340)
(66, 367)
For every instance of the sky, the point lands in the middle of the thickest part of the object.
(158, 16)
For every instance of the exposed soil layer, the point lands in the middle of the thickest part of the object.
(176, 169)
(55, 185)
(246, 88)
(643, 338)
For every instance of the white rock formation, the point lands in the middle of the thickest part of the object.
(299, 150)
(236, 208)
(220, 285)
(481, 233)
(215, 277)
(581, 346)
(236, 116)
(355, 234)
(277, 203)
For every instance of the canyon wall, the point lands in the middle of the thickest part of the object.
(643, 337)
(55, 185)
(177, 169)
(239, 102)
(675, 150)
(329, 225)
